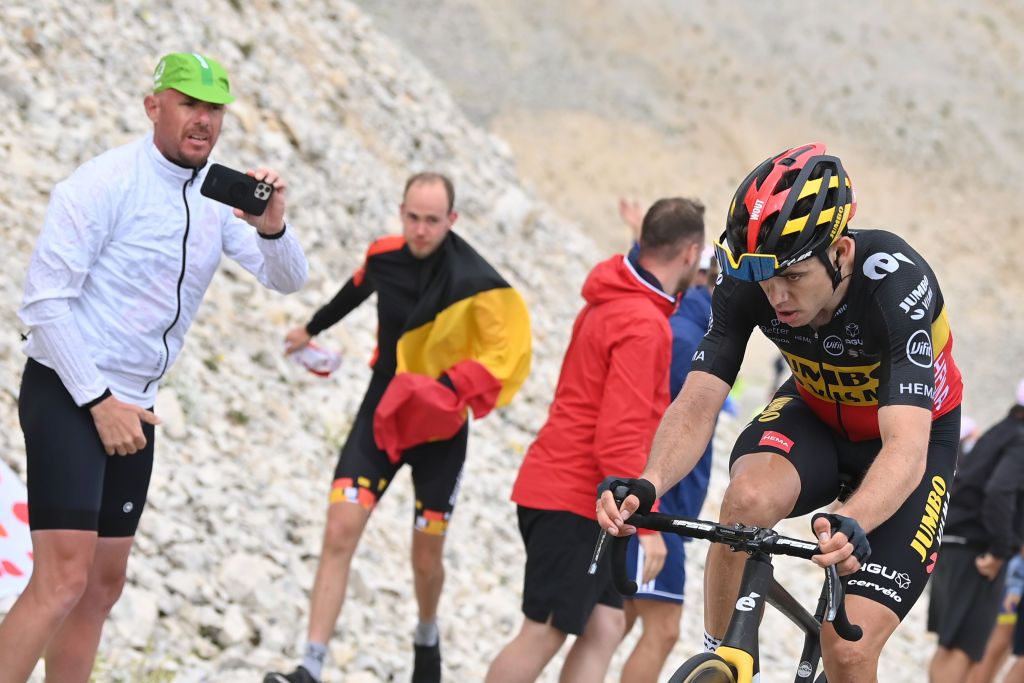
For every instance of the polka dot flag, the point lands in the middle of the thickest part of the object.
(15, 540)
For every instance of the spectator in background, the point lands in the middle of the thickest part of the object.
(658, 603)
(611, 393)
(1001, 640)
(968, 434)
(125, 255)
(983, 531)
(1014, 589)
(452, 335)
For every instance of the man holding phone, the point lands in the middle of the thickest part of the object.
(126, 253)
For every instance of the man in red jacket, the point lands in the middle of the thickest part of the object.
(611, 393)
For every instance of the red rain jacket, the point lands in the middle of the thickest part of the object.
(611, 393)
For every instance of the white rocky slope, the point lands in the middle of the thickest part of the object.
(227, 547)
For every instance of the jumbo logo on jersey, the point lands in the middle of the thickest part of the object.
(853, 384)
(922, 294)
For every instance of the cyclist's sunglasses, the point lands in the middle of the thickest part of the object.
(749, 267)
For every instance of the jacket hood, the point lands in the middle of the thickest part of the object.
(616, 278)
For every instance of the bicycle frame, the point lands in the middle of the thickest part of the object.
(740, 645)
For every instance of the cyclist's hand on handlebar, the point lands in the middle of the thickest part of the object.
(842, 541)
(610, 516)
(654, 555)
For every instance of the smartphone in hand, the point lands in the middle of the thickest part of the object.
(236, 189)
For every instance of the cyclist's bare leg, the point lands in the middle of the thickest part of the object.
(345, 524)
(71, 652)
(748, 500)
(428, 572)
(589, 657)
(523, 659)
(660, 620)
(948, 665)
(847, 662)
(996, 652)
(61, 561)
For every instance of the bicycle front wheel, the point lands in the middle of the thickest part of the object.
(706, 667)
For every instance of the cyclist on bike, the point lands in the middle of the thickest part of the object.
(873, 401)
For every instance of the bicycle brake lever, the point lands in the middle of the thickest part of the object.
(835, 607)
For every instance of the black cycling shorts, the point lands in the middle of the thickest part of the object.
(364, 472)
(905, 547)
(72, 482)
(556, 585)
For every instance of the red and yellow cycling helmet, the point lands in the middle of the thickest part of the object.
(791, 207)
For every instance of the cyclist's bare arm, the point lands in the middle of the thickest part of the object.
(889, 481)
(679, 443)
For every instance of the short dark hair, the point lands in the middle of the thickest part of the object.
(432, 177)
(670, 225)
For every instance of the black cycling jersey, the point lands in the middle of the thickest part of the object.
(888, 343)
(399, 278)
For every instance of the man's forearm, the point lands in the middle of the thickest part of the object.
(285, 263)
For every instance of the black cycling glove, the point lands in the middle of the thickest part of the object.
(641, 488)
(849, 527)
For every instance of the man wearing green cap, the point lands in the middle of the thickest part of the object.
(125, 255)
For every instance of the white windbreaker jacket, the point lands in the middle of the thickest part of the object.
(125, 255)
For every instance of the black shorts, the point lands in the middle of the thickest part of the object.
(364, 472)
(72, 482)
(964, 604)
(556, 586)
(905, 547)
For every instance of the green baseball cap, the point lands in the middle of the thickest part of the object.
(195, 75)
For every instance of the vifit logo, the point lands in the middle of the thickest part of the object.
(780, 441)
(833, 345)
(919, 349)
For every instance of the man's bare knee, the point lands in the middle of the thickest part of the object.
(345, 524)
(749, 501)
(61, 589)
(103, 592)
(850, 658)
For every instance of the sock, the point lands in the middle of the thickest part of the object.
(426, 634)
(313, 659)
(710, 642)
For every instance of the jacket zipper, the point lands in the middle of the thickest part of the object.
(828, 389)
(181, 278)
